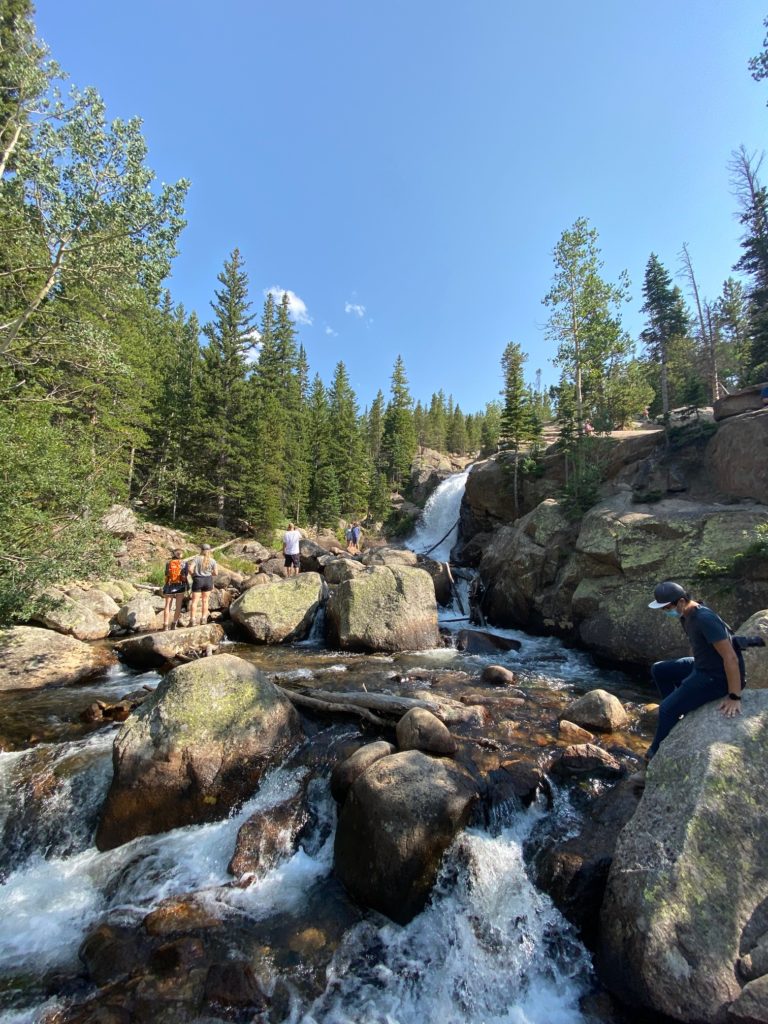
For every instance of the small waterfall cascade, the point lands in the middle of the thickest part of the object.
(438, 527)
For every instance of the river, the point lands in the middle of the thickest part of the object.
(489, 948)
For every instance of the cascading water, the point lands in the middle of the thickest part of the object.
(438, 527)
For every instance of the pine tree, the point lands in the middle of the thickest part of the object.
(399, 441)
(375, 430)
(222, 446)
(347, 444)
(667, 321)
(517, 427)
(753, 203)
(732, 321)
(318, 450)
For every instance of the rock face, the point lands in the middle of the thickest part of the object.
(396, 823)
(30, 658)
(386, 608)
(683, 905)
(756, 658)
(338, 570)
(389, 556)
(737, 456)
(155, 649)
(138, 614)
(195, 749)
(280, 611)
(428, 469)
(596, 587)
(746, 400)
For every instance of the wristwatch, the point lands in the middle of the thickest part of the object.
(734, 696)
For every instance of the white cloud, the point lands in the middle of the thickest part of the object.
(330, 331)
(297, 306)
(355, 308)
(253, 353)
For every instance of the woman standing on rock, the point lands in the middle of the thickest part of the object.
(175, 588)
(202, 569)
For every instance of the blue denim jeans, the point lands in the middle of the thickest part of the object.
(683, 689)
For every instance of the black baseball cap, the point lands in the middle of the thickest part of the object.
(667, 593)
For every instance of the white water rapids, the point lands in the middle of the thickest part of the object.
(489, 948)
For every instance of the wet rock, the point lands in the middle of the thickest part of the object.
(396, 823)
(386, 608)
(513, 785)
(474, 641)
(232, 986)
(281, 611)
(345, 772)
(689, 877)
(440, 577)
(268, 837)
(138, 614)
(71, 618)
(177, 915)
(419, 729)
(497, 675)
(586, 759)
(111, 951)
(32, 657)
(195, 749)
(569, 732)
(156, 649)
(598, 710)
(574, 871)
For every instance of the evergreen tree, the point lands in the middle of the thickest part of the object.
(732, 322)
(491, 428)
(319, 456)
(753, 203)
(667, 320)
(221, 447)
(347, 453)
(517, 424)
(267, 428)
(375, 430)
(456, 440)
(399, 441)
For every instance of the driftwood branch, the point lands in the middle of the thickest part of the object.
(302, 700)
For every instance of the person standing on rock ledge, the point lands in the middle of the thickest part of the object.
(174, 588)
(292, 550)
(202, 569)
(715, 671)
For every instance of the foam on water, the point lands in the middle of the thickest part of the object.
(489, 949)
(440, 517)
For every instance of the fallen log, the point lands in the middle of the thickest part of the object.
(384, 703)
(303, 700)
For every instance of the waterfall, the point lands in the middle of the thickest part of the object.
(441, 517)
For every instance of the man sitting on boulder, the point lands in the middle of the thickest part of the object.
(715, 671)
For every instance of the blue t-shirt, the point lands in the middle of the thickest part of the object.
(704, 628)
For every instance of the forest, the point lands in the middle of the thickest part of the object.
(110, 391)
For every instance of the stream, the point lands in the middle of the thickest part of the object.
(489, 948)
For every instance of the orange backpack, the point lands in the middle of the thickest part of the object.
(176, 571)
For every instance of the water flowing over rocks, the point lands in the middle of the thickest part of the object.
(396, 823)
(196, 748)
(269, 837)
(688, 887)
(32, 657)
(281, 611)
(386, 608)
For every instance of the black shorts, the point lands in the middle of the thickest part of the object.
(292, 561)
(174, 589)
(202, 584)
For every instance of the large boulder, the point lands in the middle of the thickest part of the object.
(747, 400)
(98, 600)
(441, 577)
(138, 613)
(756, 658)
(397, 821)
(389, 556)
(31, 657)
(156, 649)
(346, 771)
(737, 456)
(688, 885)
(386, 608)
(120, 521)
(195, 749)
(281, 611)
(312, 556)
(419, 729)
(70, 617)
(338, 570)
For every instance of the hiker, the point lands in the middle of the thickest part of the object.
(716, 670)
(292, 550)
(356, 531)
(349, 537)
(202, 569)
(174, 588)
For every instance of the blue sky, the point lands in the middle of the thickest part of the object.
(406, 168)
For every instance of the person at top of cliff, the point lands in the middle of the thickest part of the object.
(202, 568)
(716, 670)
(292, 550)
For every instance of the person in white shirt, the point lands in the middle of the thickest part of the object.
(292, 550)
